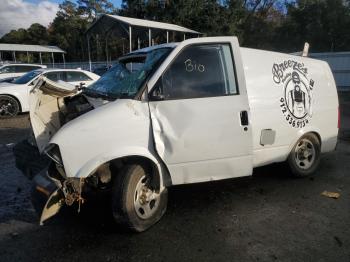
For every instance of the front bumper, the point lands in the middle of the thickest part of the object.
(47, 198)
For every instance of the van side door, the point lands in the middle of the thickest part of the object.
(199, 111)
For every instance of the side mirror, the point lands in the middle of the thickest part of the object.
(157, 94)
(81, 86)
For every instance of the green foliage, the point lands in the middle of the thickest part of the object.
(91, 8)
(282, 25)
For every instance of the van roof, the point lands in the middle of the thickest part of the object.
(150, 48)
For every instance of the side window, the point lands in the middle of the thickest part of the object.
(23, 69)
(73, 76)
(30, 68)
(7, 70)
(199, 71)
(54, 76)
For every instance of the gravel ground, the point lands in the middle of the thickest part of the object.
(268, 217)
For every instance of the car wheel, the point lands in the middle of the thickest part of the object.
(305, 156)
(136, 204)
(9, 106)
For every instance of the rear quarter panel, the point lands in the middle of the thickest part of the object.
(271, 80)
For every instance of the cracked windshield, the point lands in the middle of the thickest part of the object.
(126, 77)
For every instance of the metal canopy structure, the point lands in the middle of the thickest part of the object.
(31, 49)
(140, 29)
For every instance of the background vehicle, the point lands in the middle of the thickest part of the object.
(17, 70)
(14, 96)
(101, 70)
(201, 110)
(8, 79)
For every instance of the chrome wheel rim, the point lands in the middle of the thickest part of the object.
(304, 154)
(7, 107)
(146, 200)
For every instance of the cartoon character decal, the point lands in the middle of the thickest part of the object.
(297, 100)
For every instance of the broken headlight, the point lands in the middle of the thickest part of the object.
(53, 152)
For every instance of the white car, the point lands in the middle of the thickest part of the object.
(201, 110)
(14, 96)
(10, 71)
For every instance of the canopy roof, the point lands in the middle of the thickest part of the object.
(120, 26)
(30, 48)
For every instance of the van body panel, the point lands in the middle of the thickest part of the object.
(272, 79)
(100, 135)
(202, 139)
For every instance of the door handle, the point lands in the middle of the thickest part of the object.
(244, 118)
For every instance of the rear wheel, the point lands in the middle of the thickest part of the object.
(9, 106)
(136, 203)
(305, 156)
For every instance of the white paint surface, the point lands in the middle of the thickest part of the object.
(202, 139)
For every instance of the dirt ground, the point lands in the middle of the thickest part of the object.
(268, 217)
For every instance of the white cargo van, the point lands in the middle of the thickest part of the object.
(200, 110)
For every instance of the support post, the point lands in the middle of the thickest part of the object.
(167, 36)
(27, 57)
(53, 60)
(64, 60)
(89, 55)
(149, 37)
(184, 37)
(106, 52)
(14, 56)
(138, 43)
(130, 38)
(41, 60)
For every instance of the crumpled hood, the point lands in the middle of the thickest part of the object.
(45, 100)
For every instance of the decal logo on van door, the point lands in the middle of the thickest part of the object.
(296, 101)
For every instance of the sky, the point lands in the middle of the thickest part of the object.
(16, 14)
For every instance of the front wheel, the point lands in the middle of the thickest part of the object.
(9, 106)
(305, 156)
(136, 203)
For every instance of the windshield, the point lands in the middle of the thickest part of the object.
(27, 77)
(126, 77)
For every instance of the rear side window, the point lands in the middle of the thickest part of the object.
(200, 71)
(7, 70)
(54, 76)
(73, 76)
(25, 68)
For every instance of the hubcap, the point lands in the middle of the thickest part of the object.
(146, 200)
(7, 107)
(304, 154)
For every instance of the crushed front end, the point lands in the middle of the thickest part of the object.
(52, 190)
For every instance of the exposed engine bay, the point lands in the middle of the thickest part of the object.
(54, 104)
(72, 107)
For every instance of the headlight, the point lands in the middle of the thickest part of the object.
(53, 152)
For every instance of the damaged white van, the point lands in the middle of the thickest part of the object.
(200, 110)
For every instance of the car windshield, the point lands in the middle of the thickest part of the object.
(123, 79)
(27, 77)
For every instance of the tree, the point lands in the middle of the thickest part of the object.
(282, 25)
(68, 31)
(92, 8)
(322, 23)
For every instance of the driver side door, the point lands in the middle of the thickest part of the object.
(199, 112)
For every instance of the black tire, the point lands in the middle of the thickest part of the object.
(123, 200)
(9, 106)
(28, 159)
(300, 165)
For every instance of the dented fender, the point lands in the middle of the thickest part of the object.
(92, 165)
